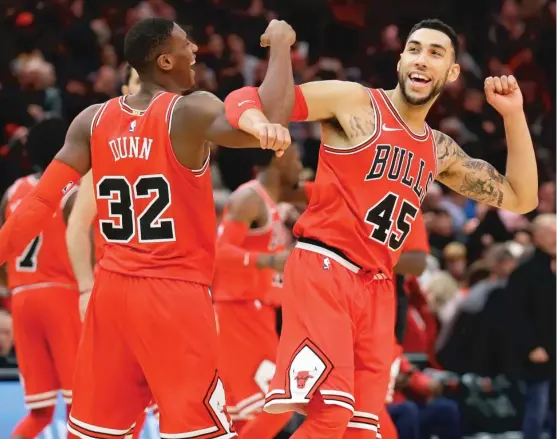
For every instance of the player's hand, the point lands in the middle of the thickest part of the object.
(273, 136)
(279, 260)
(84, 297)
(278, 32)
(503, 94)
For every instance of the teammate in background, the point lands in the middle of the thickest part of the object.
(412, 262)
(377, 160)
(44, 296)
(150, 317)
(251, 252)
(82, 238)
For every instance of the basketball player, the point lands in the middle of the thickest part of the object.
(150, 327)
(376, 163)
(44, 296)
(78, 238)
(251, 252)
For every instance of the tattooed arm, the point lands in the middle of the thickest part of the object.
(476, 179)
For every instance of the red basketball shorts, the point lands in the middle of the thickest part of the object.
(337, 337)
(46, 333)
(247, 348)
(144, 336)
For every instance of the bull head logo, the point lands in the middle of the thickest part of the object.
(301, 377)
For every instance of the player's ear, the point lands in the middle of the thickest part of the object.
(398, 64)
(454, 72)
(164, 62)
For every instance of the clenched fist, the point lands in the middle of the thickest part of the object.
(503, 94)
(272, 136)
(278, 32)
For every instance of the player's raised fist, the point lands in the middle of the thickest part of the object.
(503, 94)
(278, 32)
(273, 136)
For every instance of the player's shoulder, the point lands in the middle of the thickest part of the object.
(85, 121)
(197, 110)
(247, 200)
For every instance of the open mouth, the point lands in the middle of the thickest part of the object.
(419, 79)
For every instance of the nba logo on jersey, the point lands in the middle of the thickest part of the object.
(67, 188)
(326, 264)
(132, 126)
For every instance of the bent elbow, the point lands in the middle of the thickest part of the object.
(527, 207)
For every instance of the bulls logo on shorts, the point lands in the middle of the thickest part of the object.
(306, 371)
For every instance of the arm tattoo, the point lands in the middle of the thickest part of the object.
(361, 125)
(470, 177)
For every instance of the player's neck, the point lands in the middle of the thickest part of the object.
(150, 89)
(271, 184)
(413, 115)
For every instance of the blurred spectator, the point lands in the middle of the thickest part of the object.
(454, 258)
(474, 339)
(425, 412)
(532, 295)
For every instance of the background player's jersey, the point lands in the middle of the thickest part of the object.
(45, 260)
(251, 283)
(366, 197)
(157, 218)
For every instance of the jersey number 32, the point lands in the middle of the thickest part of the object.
(126, 221)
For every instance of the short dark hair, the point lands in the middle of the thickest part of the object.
(144, 41)
(261, 158)
(436, 24)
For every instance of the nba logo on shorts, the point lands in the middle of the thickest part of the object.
(326, 264)
(132, 126)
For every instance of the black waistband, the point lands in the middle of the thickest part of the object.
(329, 248)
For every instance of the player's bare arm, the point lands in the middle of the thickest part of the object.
(343, 107)
(517, 190)
(201, 116)
(246, 209)
(71, 162)
(78, 234)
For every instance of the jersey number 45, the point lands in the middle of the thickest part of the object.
(387, 229)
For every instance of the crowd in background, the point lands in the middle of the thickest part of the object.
(60, 56)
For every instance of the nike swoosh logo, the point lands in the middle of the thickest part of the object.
(386, 128)
(244, 102)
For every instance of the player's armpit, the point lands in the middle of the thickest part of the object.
(78, 233)
(326, 99)
(478, 180)
(27, 221)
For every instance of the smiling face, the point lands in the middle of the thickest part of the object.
(179, 59)
(426, 65)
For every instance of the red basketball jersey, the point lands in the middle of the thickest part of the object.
(45, 260)
(252, 283)
(366, 197)
(156, 218)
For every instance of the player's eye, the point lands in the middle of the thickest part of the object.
(413, 49)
